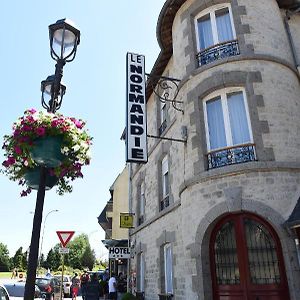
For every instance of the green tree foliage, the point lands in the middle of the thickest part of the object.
(17, 260)
(4, 258)
(53, 259)
(81, 255)
(88, 258)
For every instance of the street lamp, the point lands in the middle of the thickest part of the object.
(41, 249)
(64, 39)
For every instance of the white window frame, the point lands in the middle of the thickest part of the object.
(164, 174)
(211, 11)
(168, 290)
(223, 94)
(141, 283)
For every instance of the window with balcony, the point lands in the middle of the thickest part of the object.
(164, 202)
(216, 37)
(228, 129)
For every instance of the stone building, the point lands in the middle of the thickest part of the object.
(215, 214)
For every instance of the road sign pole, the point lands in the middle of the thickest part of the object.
(62, 276)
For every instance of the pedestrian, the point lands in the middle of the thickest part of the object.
(14, 273)
(75, 286)
(105, 288)
(112, 287)
(84, 279)
(93, 288)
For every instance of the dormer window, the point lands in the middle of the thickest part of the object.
(216, 37)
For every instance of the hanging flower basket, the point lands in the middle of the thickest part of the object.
(59, 143)
(46, 151)
(32, 179)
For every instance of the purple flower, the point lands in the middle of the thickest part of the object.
(18, 150)
(10, 161)
(40, 131)
(26, 128)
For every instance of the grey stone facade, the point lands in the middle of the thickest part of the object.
(268, 187)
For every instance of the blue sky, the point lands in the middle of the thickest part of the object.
(96, 90)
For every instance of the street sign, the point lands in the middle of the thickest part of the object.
(63, 250)
(65, 237)
(119, 252)
(126, 220)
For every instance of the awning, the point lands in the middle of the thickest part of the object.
(115, 243)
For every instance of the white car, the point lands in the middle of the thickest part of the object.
(15, 291)
(66, 283)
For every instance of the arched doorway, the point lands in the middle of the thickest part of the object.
(246, 260)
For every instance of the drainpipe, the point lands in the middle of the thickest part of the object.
(290, 38)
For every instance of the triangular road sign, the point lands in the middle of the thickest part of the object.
(64, 237)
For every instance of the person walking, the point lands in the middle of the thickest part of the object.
(112, 287)
(93, 288)
(84, 279)
(75, 286)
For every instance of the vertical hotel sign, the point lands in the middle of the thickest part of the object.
(136, 118)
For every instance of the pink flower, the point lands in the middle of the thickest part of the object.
(18, 150)
(10, 161)
(40, 131)
(32, 111)
(26, 128)
(54, 123)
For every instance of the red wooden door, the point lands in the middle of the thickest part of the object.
(246, 260)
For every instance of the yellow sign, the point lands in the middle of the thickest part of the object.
(126, 220)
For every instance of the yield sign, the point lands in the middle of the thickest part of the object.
(65, 236)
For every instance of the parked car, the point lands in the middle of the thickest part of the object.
(3, 293)
(66, 284)
(49, 286)
(16, 291)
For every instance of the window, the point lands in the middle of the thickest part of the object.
(216, 37)
(141, 203)
(168, 273)
(165, 183)
(163, 117)
(227, 125)
(141, 277)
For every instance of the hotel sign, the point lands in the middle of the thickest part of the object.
(136, 121)
(119, 252)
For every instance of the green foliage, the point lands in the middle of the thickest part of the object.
(128, 296)
(88, 257)
(18, 260)
(53, 259)
(4, 258)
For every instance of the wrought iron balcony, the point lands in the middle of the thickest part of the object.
(164, 203)
(140, 220)
(230, 156)
(162, 127)
(219, 51)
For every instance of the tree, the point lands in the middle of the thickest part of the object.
(18, 259)
(53, 259)
(88, 258)
(4, 258)
(77, 248)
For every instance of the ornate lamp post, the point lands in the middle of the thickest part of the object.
(64, 39)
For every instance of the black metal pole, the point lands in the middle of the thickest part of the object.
(35, 238)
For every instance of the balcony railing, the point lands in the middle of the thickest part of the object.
(140, 220)
(162, 127)
(164, 203)
(165, 296)
(219, 51)
(230, 156)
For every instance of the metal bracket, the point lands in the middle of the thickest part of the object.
(162, 87)
(183, 135)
